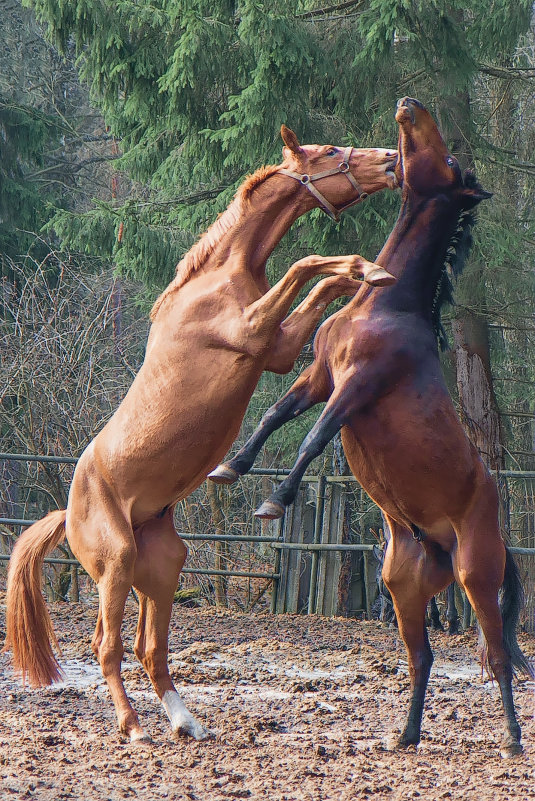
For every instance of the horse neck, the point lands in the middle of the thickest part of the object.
(415, 253)
(261, 222)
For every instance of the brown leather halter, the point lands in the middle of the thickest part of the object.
(343, 167)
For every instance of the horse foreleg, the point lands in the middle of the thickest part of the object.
(266, 314)
(355, 390)
(298, 327)
(161, 556)
(328, 424)
(304, 394)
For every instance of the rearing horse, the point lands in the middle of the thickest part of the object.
(377, 366)
(215, 328)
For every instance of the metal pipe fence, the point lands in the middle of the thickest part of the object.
(307, 548)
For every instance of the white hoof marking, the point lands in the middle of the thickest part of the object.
(182, 721)
(140, 737)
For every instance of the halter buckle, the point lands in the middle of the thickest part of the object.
(307, 181)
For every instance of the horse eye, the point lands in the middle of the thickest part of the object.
(332, 151)
(450, 161)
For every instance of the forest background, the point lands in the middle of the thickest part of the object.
(126, 127)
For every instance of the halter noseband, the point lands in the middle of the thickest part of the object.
(343, 167)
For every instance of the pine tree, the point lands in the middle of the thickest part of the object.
(195, 92)
(24, 138)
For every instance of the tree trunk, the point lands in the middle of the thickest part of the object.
(479, 410)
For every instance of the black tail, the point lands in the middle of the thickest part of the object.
(512, 601)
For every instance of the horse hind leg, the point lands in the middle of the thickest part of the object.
(482, 567)
(107, 644)
(299, 398)
(413, 574)
(109, 559)
(156, 580)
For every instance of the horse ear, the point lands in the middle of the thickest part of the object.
(290, 140)
(474, 196)
(473, 191)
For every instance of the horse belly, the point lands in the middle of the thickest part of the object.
(413, 459)
(170, 432)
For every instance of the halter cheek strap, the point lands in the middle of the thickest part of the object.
(326, 205)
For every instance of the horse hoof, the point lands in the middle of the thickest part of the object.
(380, 277)
(270, 510)
(140, 737)
(223, 474)
(511, 749)
(396, 742)
(192, 729)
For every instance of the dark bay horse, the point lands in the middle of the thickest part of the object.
(215, 328)
(386, 605)
(377, 366)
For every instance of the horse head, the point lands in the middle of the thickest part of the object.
(425, 166)
(347, 174)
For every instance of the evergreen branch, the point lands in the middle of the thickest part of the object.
(319, 12)
(408, 79)
(516, 166)
(497, 309)
(187, 200)
(105, 137)
(514, 378)
(62, 125)
(74, 168)
(522, 73)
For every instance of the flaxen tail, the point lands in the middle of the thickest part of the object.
(29, 630)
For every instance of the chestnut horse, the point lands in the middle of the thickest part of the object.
(215, 328)
(377, 366)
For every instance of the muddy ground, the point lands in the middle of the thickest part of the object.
(301, 709)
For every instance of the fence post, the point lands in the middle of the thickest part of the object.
(75, 585)
(330, 562)
(317, 538)
(366, 556)
(276, 569)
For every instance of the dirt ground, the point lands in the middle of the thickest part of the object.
(301, 709)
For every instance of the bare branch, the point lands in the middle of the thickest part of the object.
(319, 12)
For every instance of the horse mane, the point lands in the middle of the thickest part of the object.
(457, 253)
(194, 259)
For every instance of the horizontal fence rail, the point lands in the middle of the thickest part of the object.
(288, 549)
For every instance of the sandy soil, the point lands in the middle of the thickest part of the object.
(301, 709)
